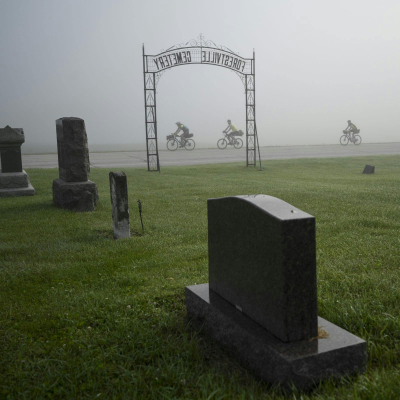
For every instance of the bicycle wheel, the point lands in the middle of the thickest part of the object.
(222, 143)
(172, 144)
(357, 139)
(344, 140)
(190, 144)
(238, 143)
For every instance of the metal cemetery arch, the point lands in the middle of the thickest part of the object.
(199, 51)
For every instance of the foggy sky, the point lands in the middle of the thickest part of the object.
(318, 64)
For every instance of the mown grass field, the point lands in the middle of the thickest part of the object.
(85, 316)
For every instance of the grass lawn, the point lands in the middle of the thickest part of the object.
(85, 316)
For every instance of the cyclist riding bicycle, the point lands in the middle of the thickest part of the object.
(185, 132)
(232, 128)
(351, 128)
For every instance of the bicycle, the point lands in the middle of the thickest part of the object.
(175, 142)
(230, 140)
(348, 137)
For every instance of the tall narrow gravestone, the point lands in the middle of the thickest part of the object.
(261, 299)
(14, 181)
(73, 190)
(119, 204)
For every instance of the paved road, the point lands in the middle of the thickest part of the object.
(213, 156)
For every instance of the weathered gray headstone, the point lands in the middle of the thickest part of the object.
(261, 300)
(369, 169)
(119, 204)
(73, 151)
(14, 181)
(73, 190)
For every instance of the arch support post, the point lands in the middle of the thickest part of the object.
(149, 79)
(251, 143)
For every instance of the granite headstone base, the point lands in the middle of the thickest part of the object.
(13, 184)
(369, 169)
(75, 196)
(302, 363)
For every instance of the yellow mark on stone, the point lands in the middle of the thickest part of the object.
(321, 334)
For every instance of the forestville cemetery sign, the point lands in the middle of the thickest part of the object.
(198, 55)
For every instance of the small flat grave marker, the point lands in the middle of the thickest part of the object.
(369, 169)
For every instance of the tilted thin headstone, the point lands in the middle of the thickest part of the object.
(119, 204)
(262, 260)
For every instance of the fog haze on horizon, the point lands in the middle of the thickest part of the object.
(318, 64)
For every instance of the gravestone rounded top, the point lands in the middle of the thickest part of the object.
(117, 174)
(10, 136)
(275, 207)
(70, 119)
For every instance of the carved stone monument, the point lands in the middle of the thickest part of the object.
(261, 300)
(73, 190)
(119, 204)
(14, 181)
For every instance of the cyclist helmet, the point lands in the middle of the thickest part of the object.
(177, 123)
(229, 121)
(348, 121)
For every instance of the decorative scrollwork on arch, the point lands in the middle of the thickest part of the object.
(158, 76)
(242, 77)
(200, 42)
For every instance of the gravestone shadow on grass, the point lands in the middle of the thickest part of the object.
(109, 233)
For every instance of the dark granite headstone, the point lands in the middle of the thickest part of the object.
(369, 169)
(10, 149)
(261, 303)
(14, 181)
(119, 205)
(262, 260)
(73, 190)
(11, 159)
